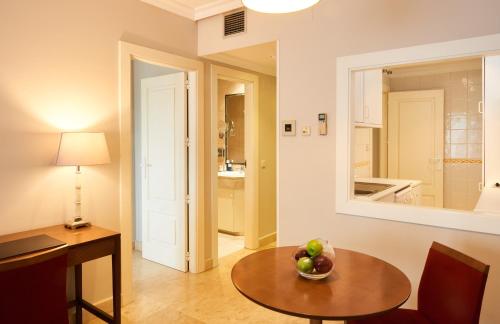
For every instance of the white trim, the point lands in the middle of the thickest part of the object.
(127, 53)
(472, 47)
(173, 6)
(277, 139)
(246, 64)
(215, 8)
(251, 82)
(196, 13)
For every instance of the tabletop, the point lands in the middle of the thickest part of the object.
(70, 237)
(73, 238)
(359, 286)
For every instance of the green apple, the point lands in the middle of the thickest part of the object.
(305, 265)
(314, 248)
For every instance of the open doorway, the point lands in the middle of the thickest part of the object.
(175, 210)
(243, 146)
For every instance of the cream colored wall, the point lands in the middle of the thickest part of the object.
(267, 153)
(309, 43)
(59, 63)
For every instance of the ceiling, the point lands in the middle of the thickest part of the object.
(196, 9)
(260, 58)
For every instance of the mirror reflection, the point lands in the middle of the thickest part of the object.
(235, 127)
(418, 134)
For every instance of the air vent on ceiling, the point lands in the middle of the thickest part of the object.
(235, 23)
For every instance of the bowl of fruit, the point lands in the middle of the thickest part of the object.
(315, 260)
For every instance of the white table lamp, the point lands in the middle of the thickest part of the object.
(81, 149)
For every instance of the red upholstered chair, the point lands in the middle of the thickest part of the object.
(451, 291)
(33, 289)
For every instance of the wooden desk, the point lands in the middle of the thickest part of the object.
(84, 244)
(360, 286)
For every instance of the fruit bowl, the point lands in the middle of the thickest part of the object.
(315, 260)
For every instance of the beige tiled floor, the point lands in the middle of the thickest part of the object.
(163, 295)
(229, 244)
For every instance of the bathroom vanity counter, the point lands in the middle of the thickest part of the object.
(231, 174)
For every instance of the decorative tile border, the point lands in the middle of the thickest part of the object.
(463, 161)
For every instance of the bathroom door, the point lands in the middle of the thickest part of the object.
(164, 170)
(416, 141)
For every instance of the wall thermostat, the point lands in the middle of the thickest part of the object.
(288, 128)
(323, 127)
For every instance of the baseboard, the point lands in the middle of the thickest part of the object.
(209, 264)
(267, 239)
(105, 304)
(137, 245)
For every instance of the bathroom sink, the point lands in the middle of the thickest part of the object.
(231, 174)
(368, 189)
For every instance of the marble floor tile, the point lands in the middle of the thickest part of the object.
(163, 295)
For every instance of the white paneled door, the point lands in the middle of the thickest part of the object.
(416, 141)
(164, 170)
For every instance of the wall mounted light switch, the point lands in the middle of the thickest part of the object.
(323, 126)
(288, 128)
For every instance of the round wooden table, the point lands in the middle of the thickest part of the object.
(359, 287)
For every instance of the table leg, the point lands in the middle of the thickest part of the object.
(315, 321)
(78, 293)
(117, 285)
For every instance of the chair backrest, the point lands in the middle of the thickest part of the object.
(33, 288)
(452, 287)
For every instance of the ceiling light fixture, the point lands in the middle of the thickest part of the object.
(278, 6)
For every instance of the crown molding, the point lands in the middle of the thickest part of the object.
(216, 7)
(196, 13)
(173, 6)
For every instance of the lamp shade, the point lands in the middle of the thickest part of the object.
(278, 6)
(83, 149)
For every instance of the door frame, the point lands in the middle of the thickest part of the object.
(251, 82)
(195, 69)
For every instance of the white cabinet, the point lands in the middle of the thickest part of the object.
(231, 205)
(367, 96)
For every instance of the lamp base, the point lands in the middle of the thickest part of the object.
(77, 224)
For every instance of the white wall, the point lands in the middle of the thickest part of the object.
(59, 71)
(309, 43)
(141, 70)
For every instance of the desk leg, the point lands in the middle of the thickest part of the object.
(315, 321)
(78, 293)
(117, 285)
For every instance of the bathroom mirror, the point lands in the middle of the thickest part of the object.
(235, 127)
